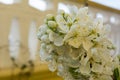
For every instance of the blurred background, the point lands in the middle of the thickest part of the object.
(19, 22)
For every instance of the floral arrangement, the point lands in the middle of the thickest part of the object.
(76, 46)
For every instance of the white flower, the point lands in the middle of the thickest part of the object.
(43, 52)
(50, 48)
(60, 70)
(85, 69)
(73, 10)
(71, 62)
(51, 36)
(52, 65)
(105, 77)
(75, 53)
(45, 38)
(52, 24)
(87, 44)
(75, 42)
(83, 12)
(72, 37)
(107, 70)
(50, 17)
(63, 50)
(96, 57)
(42, 31)
(76, 46)
(98, 27)
(83, 16)
(77, 36)
(62, 24)
(84, 59)
(97, 67)
(56, 38)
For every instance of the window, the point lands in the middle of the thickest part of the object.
(41, 5)
(62, 6)
(110, 3)
(7, 1)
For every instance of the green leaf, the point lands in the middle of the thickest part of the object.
(116, 74)
(118, 78)
(77, 75)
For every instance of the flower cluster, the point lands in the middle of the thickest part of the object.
(76, 45)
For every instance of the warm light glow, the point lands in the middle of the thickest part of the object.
(38, 4)
(99, 15)
(112, 19)
(110, 3)
(7, 1)
(62, 6)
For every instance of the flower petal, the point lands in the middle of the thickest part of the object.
(87, 44)
(62, 23)
(96, 67)
(85, 69)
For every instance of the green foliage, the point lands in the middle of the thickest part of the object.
(116, 74)
(77, 75)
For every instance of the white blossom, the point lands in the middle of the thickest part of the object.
(76, 45)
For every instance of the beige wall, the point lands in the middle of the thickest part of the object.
(25, 14)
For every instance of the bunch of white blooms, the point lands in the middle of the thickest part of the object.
(76, 46)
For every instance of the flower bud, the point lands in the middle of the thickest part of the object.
(52, 24)
(50, 17)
